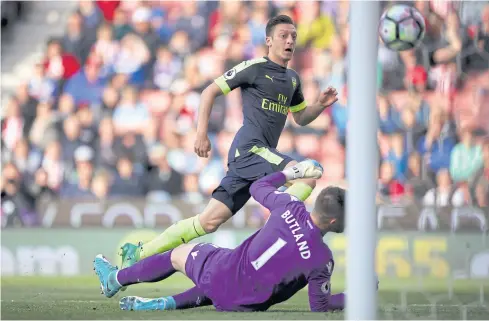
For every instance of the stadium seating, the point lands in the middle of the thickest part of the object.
(140, 67)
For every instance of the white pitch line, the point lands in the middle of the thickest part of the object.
(446, 305)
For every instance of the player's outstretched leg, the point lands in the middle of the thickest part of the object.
(151, 269)
(189, 299)
(179, 233)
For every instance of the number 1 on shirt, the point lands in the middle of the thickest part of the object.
(268, 254)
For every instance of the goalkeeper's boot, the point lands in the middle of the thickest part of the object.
(135, 303)
(130, 254)
(107, 275)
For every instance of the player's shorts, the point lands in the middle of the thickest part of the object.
(243, 169)
(201, 263)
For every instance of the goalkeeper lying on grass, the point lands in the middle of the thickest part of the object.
(269, 267)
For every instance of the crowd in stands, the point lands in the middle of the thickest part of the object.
(111, 109)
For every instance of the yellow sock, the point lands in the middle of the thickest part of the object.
(181, 232)
(300, 190)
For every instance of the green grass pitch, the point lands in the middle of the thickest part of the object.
(80, 298)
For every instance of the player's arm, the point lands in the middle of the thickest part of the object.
(241, 75)
(265, 192)
(207, 99)
(304, 114)
(319, 291)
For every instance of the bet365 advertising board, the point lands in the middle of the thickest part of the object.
(69, 252)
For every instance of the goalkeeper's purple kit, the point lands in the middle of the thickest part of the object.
(280, 259)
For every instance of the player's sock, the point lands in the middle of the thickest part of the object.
(299, 190)
(181, 232)
(191, 299)
(152, 269)
(337, 301)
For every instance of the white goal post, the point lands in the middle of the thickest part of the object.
(361, 220)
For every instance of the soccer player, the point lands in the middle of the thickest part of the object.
(269, 91)
(269, 267)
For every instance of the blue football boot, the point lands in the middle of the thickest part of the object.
(136, 303)
(106, 273)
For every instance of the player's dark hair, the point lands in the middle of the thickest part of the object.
(281, 19)
(330, 205)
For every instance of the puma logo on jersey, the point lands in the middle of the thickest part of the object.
(271, 78)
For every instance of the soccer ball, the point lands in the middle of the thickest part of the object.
(401, 27)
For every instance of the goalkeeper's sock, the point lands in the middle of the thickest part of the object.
(300, 190)
(181, 232)
(151, 269)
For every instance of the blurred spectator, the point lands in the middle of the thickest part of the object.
(70, 139)
(110, 98)
(337, 77)
(166, 68)
(58, 64)
(43, 130)
(24, 159)
(444, 194)
(162, 182)
(101, 185)
(16, 205)
(416, 102)
(108, 8)
(127, 182)
(150, 134)
(397, 156)
(130, 115)
(448, 43)
(313, 27)
(141, 21)
(257, 23)
(120, 25)
(388, 115)
(179, 44)
(105, 47)
(286, 144)
(412, 130)
(193, 23)
(479, 182)
(466, 158)
(191, 192)
(78, 182)
(88, 125)
(12, 125)
(86, 85)
(131, 145)
(66, 106)
(389, 187)
(27, 105)
(436, 148)
(106, 156)
(39, 188)
(480, 33)
(77, 40)
(53, 165)
(307, 144)
(416, 181)
(132, 58)
(90, 13)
